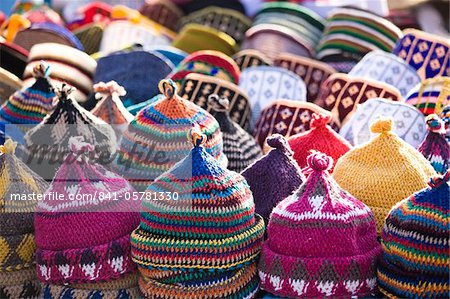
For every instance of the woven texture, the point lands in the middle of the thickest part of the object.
(20, 284)
(430, 96)
(213, 216)
(163, 12)
(414, 240)
(435, 147)
(383, 171)
(320, 137)
(161, 127)
(250, 57)
(274, 176)
(321, 242)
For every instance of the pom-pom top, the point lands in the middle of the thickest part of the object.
(41, 70)
(320, 120)
(435, 124)
(111, 88)
(438, 180)
(318, 161)
(277, 141)
(62, 93)
(218, 104)
(168, 88)
(196, 136)
(382, 125)
(9, 147)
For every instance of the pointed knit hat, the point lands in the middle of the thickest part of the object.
(156, 139)
(322, 242)
(415, 258)
(274, 176)
(239, 146)
(17, 247)
(320, 137)
(383, 171)
(435, 147)
(207, 213)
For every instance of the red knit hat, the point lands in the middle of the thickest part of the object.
(320, 137)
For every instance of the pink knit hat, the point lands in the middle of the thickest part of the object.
(84, 236)
(322, 242)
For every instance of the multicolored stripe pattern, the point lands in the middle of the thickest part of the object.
(415, 260)
(430, 96)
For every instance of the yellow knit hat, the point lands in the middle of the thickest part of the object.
(383, 171)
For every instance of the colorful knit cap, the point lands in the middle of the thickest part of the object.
(435, 147)
(110, 108)
(351, 33)
(68, 65)
(195, 37)
(427, 53)
(90, 36)
(93, 220)
(274, 176)
(197, 87)
(383, 171)
(387, 68)
(265, 84)
(163, 12)
(137, 71)
(321, 242)
(211, 63)
(159, 132)
(322, 138)
(250, 57)
(9, 84)
(30, 105)
(173, 54)
(409, 123)
(226, 20)
(207, 210)
(47, 143)
(414, 240)
(431, 95)
(341, 94)
(17, 246)
(285, 117)
(445, 116)
(239, 146)
(313, 72)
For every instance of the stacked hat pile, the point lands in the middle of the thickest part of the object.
(17, 246)
(207, 210)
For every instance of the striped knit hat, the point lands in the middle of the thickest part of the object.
(431, 95)
(47, 143)
(93, 220)
(17, 246)
(239, 146)
(156, 139)
(207, 214)
(414, 241)
(382, 171)
(435, 147)
(322, 242)
(274, 176)
(320, 138)
(30, 105)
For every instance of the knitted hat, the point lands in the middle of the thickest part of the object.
(173, 54)
(163, 12)
(429, 54)
(137, 71)
(47, 143)
(89, 13)
(239, 146)
(110, 108)
(197, 87)
(431, 95)
(156, 139)
(134, 109)
(195, 37)
(341, 94)
(414, 240)
(13, 58)
(445, 116)
(285, 117)
(435, 147)
(68, 65)
(320, 137)
(17, 246)
(30, 105)
(321, 242)
(274, 176)
(409, 123)
(83, 237)
(383, 171)
(9, 84)
(387, 68)
(265, 84)
(250, 57)
(211, 63)
(313, 72)
(207, 210)
(90, 36)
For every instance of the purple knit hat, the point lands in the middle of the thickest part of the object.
(322, 242)
(84, 236)
(273, 177)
